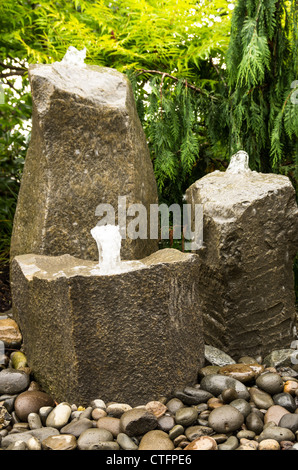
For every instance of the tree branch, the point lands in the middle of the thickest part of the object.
(218, 73)
(160, 92)
(7, 82)
(13, 73)
(164, 74)
(12, 67)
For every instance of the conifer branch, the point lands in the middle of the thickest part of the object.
(287, 99)
(218, 73)
(164, 74)
(12, 73)
(160, 92)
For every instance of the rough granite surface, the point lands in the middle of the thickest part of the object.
(87, 148)
(250, 241)
(125, 337)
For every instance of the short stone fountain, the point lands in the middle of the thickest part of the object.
(119, 330)
(250, 241)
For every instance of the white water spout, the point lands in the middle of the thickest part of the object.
(74, 57)
(108, 240)
(239, 163)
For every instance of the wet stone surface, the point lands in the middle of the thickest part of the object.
(219, 412)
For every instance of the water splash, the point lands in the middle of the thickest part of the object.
(239, 163)
(74, 57)
(108, 240)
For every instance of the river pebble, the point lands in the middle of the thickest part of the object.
(31, 401)
(76, 427)
(242, 405)
(192, 396)
(156, 407)
(254, 423)
(278, 433)
(13, 381)
(93, 436)
(125, 442)
(116, 410)
(246, 434)
(269, 444)
(176, 431)
(291, 387)
(248, 444)
(230, 444)
(202, 443)
(137, 421)
(34, 421)
(228, 395)
(242, 372)
(225, 419)
(105, 445)
(270, 382)
(112, 424)
(186, 416)
(247, 404)
(286, 400)
(59, 416)
(166, 423)
(60, 442)
(10, 333)
(34, 444)
(289, 421)
(98, 413)
(274, 414)
(156, 440)
(216, 383)
(260, 398)
(193, 432)
(174, 404)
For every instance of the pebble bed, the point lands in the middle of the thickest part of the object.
(246, 404)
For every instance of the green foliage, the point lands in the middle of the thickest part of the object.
(262, 68)
(259, 106)
(125, 34)
(14, 115)
(166, 36)
(169, 114)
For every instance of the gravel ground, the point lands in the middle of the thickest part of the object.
(247, 403)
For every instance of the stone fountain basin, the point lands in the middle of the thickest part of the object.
(130, 336)
(54, 267)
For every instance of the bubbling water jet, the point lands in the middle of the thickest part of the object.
(74, 57)
(108, 240)
(239, 163)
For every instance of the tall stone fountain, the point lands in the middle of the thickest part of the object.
(87, 148)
